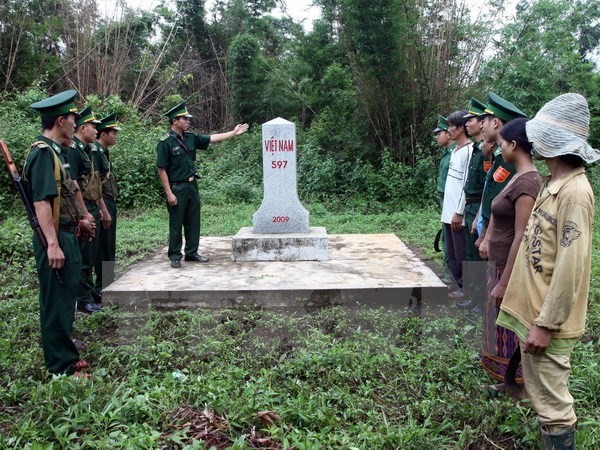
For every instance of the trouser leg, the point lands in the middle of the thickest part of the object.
(57, 304)
(176, 219)
(88, 250)
(546, 381)
(191, 223)
(106, 256)
(456, 252)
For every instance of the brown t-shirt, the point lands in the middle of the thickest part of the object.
(503, 211)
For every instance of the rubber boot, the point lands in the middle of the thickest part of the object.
(564, 440)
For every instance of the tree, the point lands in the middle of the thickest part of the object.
(546, 52)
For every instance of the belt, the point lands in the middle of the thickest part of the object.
(189, 180)
(468, 201)
(74, 229)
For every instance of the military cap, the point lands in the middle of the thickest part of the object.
(87, 116)
(109, 121)
(57, 105)
(502, 109)
(475, 108)
(442, 124)
(178, 111)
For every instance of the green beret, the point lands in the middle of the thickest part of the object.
(57, 105)
(442, 124)
(178, 111)
(502, 109)
(109, 121)
(87, 116)
(475, 108)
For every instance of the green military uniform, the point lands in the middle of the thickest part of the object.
(444, 165)
(85, 163)
(473, 193)
(107, 245)
(497, 178)
(57, 297)
(478, 167)
(177, 154)
(443, 168)
(501, 172)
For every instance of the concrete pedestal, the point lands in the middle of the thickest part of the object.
(249, 246)
(374, 270)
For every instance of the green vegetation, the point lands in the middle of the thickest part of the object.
(364, 87)
(333, 378)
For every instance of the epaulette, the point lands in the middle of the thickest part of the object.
(40, 144)
(165, 137)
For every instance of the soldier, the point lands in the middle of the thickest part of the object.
(55, 203)
(497, 112)
(478, 167)
(85, 162)
(444, 140)
(176, 156)
(107, 137)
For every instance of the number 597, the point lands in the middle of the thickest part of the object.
(278, 164)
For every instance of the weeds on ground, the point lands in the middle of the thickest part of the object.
(246, 378)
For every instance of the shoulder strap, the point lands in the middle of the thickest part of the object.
(59, 174)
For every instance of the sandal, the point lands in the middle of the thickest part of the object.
(79, 345)
(82, 364)
(83, 376)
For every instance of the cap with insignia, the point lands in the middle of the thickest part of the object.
(178, 111)
(502, 109)
(475, 108)
(442, 124)
(109, 121)
(87, 116)
(57, 105)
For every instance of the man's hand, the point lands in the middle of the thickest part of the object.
(87, 228)
(171, 199)
(240, 129)
(56, 257)
(106, 220)
(456, 222)
(538, 340)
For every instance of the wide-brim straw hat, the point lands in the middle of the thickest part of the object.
(562, 127)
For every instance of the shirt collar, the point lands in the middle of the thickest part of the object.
(555, 187)
(56, 147)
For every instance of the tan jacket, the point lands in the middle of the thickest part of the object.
(550, 281)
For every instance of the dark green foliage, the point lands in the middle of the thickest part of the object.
(545, 53)
(246, 80)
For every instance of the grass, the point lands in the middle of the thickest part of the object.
(335, 378)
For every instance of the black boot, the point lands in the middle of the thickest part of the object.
(564, 440)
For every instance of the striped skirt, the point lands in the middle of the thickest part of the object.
(499, 344)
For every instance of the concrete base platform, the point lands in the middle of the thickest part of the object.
(249, 246)
(374, 270)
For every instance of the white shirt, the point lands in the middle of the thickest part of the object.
(454, 194)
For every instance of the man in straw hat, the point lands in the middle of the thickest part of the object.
(176, 163)
(546, 299)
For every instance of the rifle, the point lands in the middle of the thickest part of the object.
(29, 209)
